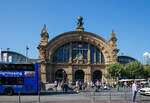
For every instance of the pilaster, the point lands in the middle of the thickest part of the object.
(69, 74)
(89, 54)
(70, 52)
(88, 74)
(43, 73)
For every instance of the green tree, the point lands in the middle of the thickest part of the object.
(114, 70)
(147, 71)
(134, 70)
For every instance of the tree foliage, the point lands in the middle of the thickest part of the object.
(134, 70)
(114, 70)
(131, 70)
(147, 70)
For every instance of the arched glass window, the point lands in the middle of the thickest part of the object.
(62, 54)
(96, 55)
(80, 51)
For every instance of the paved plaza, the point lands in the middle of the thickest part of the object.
(73, 97)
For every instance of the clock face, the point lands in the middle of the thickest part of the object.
(80, 56)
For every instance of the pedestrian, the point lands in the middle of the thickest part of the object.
(117, 87)
(65, 87)
(125, 84)
(77, 86)
(134, 91)
(98, 84)
(56, 85)
(62, 85)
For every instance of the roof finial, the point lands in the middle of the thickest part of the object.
(44, 29)
(112, 35)
(80, 24)
(112, 31)
(44, 26)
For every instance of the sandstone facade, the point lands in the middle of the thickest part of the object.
(73, 68)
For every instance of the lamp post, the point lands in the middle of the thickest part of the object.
(63, 75)
(27, 48)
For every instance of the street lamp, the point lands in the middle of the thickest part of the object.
(63, 75)
(27, 48)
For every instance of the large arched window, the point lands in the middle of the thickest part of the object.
(96, 55)
(62, 54)
(79, 51)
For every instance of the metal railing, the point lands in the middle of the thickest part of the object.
(123, 94)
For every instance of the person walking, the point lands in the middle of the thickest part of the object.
(98, 84)
(56, 85)
(134, 91)
(77, 86)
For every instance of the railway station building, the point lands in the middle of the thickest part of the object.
(76, 55)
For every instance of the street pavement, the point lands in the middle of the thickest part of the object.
(73, 97)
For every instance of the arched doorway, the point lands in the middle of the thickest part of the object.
(79, 75)
(60, 75)
(97, 75)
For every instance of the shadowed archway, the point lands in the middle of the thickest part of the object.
(60, 75)
(79, 75)
(97, 75)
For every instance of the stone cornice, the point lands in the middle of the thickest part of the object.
(63, 35)
(73, 64)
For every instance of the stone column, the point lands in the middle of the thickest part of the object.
(89, 53)
(103, 73)
(88, 74)
(43, 73)
(69, 74)
(70, 52)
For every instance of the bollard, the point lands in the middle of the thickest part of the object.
(19, 98)
(110, 95)
(93, 97)
(140, 98)
(39, 97)
(125, 94)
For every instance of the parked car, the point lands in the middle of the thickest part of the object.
(145, 91)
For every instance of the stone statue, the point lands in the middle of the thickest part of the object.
(80, 23)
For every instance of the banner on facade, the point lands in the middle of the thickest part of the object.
(5, 57)
(0, 54)
(10, 59)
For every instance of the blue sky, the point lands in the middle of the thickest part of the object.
(21, 22)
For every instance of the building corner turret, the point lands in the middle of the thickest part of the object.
(113, 43)
(43, 53)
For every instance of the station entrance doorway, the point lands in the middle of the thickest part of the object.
(79, 75)
(97, 75)
(60, 75)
